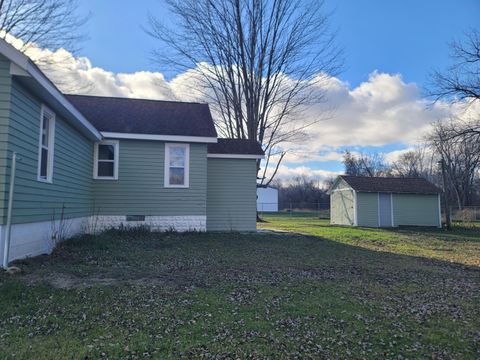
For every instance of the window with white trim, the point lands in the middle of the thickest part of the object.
(177, 165)
(105, 165)
(45, 145)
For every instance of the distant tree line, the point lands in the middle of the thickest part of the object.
(302, 193)
(460, 156)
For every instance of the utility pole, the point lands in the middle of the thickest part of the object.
(446, 196)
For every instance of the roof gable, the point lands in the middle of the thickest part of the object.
(390, 185)
(149, 117)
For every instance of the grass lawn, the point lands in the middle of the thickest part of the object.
(461, 245)
(329, 292)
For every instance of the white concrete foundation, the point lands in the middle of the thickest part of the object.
(32, 239)
(155, 223)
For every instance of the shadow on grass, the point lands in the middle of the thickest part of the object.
(211, 256)
(237, 295)
(462, 245)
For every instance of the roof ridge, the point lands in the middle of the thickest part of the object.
(137, 99)
(390, 184)
(238, 139)
(385, 177)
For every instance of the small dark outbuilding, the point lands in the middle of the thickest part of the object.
(384, 202)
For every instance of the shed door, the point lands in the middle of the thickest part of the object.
(385, 210)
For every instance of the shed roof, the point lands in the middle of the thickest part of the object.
(236, 146)
(404, 185)
(141, 116)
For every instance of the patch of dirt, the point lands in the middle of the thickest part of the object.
(67, 281)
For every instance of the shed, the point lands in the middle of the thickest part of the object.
(267, 199)
(384, 202)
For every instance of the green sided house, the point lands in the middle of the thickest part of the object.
(87, 163)
(384, 202)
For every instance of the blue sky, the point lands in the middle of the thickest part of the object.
(390, 48)
(407, 37)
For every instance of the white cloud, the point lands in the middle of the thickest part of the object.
(382, 110)
(393, 156)
(300, 155)
(379, 111)
(287, 173)
(78, 75)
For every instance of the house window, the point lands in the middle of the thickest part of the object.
(45, 145)
(106, 160)
(177, 165)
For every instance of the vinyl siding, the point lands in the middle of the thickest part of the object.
(342, 203)
(5, 95)
(231, 195)
(140, 189)
(412, 209)
(367, 209)
(71, 188)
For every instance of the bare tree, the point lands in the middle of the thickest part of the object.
(457, 141)
(461, 82)
(302, 193)
(460, 156)
(35, 25)
(45, 23)
(259, 63)
(419, 162)
(369, 165)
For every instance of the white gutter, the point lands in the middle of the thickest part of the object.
(440, 212)
(235, 156)
(6, 250)
(179, 138)
(355, 208)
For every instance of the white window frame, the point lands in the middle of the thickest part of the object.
(186, 167)
(116, 152)
(44, 110)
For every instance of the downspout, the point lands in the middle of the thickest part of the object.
(355, 209)
(9, 212)
(439, 211)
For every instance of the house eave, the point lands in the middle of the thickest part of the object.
(236, 156)
(154, 137)
(398, 192)
(23, 68)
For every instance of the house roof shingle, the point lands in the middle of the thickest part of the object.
(236, 146)
(139, 116)
(391, 185)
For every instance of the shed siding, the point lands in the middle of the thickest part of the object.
(367, 209)
(36, 201)
(414, 209)
(231, 195)
(140, 189)
(342, 212)
(5, 95)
